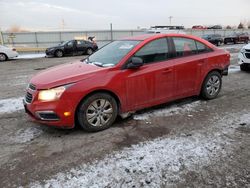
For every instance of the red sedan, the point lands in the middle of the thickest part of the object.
(124, 76)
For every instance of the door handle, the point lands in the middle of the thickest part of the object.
(168, 70)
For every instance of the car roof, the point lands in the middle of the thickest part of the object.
(149, 37)
(160, 35)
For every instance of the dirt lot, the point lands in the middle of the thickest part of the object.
(187, 143)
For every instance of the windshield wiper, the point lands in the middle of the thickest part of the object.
(97, 64)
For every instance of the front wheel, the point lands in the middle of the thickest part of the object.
(3, 57)
(211, 85)
(97, 112)
(89, 51)
(59, 53)
(244, 67)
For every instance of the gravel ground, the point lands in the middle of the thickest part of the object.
(186, 143)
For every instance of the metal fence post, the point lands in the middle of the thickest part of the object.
(36, 40)
(111, 32)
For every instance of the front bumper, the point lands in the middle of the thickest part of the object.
(50, 113)
(49, 53)
(243, 58)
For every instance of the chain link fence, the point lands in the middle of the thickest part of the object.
(47, 39)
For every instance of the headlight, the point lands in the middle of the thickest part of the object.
(51, 94)
(242, 50)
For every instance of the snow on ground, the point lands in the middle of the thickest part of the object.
(168, 111)
(11, 105)
(234, 69)
(163, 161)
(30, 56)
(21, 136)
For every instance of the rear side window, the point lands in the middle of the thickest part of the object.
(202, 48)
(154, 51)
(184, 46)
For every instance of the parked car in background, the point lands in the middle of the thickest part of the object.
(72, 47)
(7, 53)
(215, 39)
(199, 27)
(215, 27)
(237, 38)
(124, 76)
(244, 58)
(165, 30)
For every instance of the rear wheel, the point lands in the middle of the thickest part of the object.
(211, 85)
(59, 53)
(97, 112)
(3, 57)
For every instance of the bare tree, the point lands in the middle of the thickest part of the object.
(16, 29)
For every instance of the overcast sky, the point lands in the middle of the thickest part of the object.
(124, 14)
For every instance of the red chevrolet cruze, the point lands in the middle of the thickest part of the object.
(124, 76)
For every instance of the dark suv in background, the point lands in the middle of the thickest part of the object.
(72, 47)
(215, 39)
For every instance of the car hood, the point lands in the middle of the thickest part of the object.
(64, 74)
(247, 47)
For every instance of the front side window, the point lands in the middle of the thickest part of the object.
(154, 51)
(112, 53)
(70, 43)
(184, 46)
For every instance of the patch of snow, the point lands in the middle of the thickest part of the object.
(234, 68)
(25, 135)
(11, 105)
(168, 111)
(30, 56)
(154, 163)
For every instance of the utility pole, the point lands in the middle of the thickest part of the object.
(170, 19)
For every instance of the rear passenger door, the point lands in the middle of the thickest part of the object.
(188, 65)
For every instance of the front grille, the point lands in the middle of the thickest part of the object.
(32, 87)
(247, 50)
(247, 55)
(28, 97)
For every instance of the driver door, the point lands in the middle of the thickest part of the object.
(153, 82)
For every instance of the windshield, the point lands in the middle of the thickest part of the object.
(63, 43)
(206, 36)
(112, 53)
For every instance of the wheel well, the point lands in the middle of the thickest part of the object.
(216, 70)
(94, 92)
(58, 50)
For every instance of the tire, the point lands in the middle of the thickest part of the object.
(59, 53)
(3, 57)
(244, 67)
(218, 43)
(97, 112)
(89, 51)
(211, 86)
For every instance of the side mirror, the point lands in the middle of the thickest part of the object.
(135, 63)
